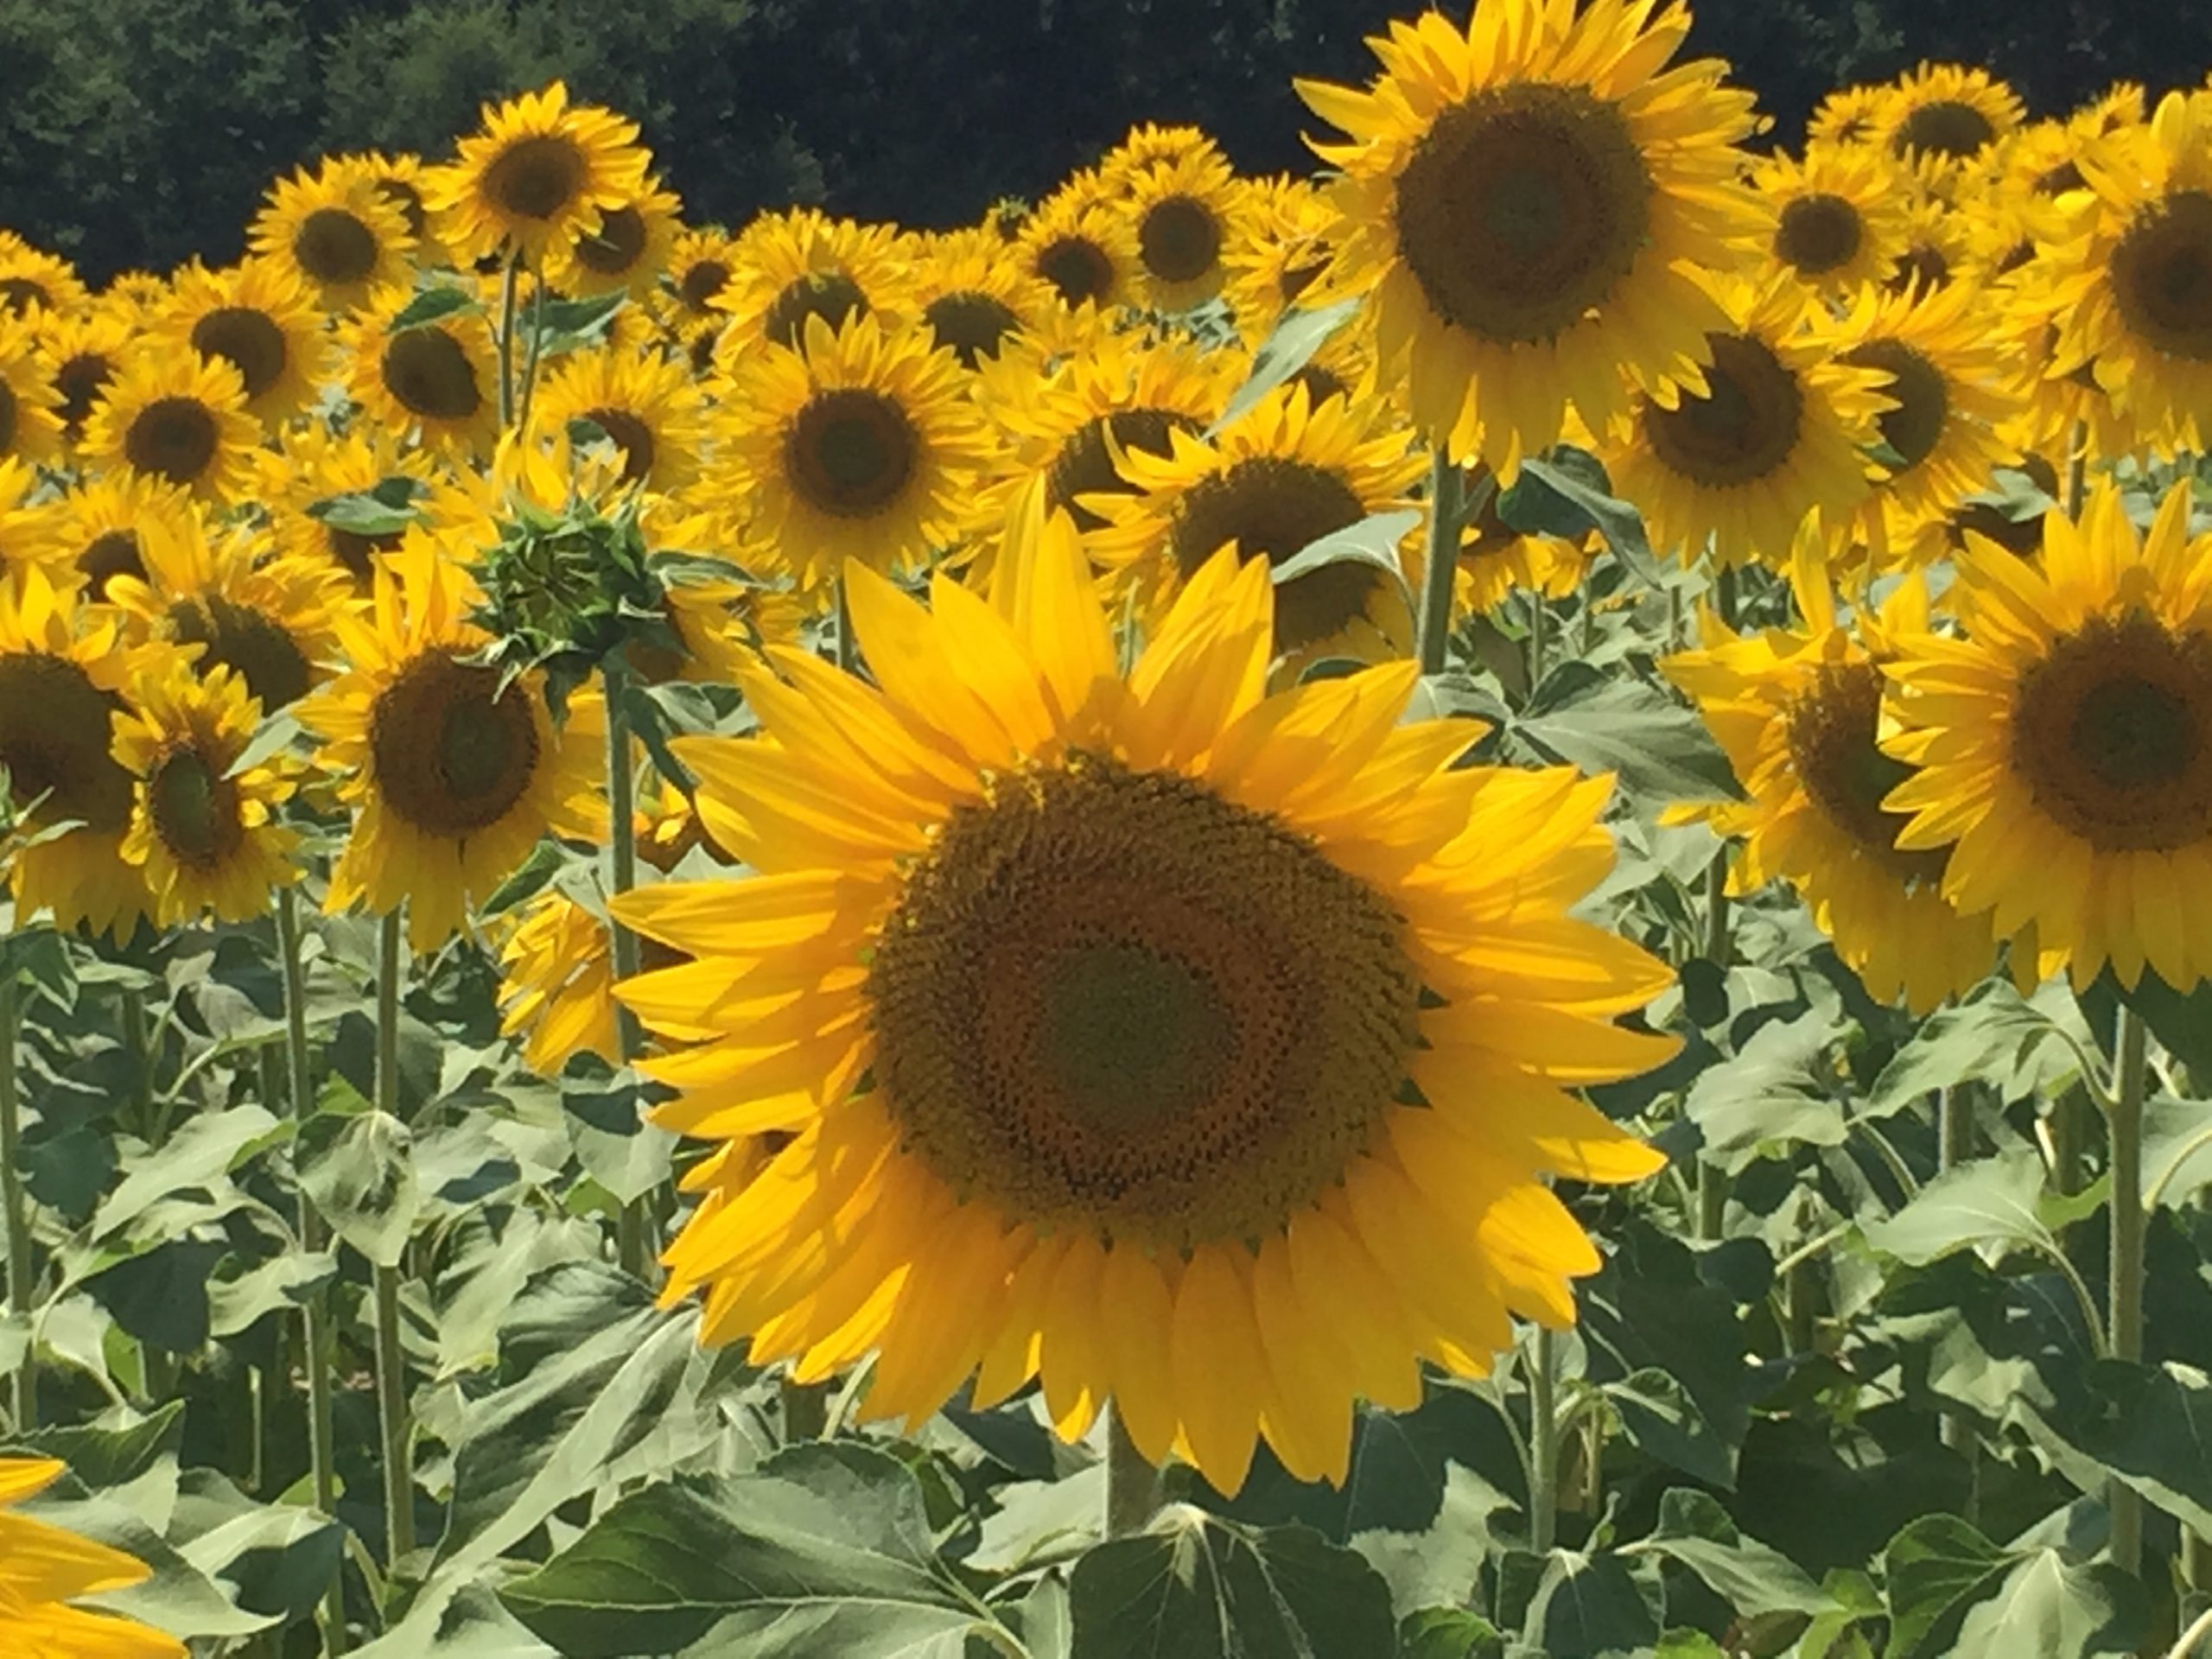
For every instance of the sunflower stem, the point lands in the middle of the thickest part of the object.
(1718, 942)
(530, 363)
(507, 342)
(393, 1429)
(1539, 639)
(1954, 1145)
(806, 1410)
(140, 1048)
(315, 1315)
(23, 1382)
(1543, 1441)
(1132, 1483)
(634, 1243)
(849, 649)
(2124, 1292)
(1447, 507)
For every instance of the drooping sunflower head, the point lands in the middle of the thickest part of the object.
(971, 296)
(1183, 212)
(538, 172)
(1839, 217)
(2065, 745)
(1530, 201)
(786, 267)
(337, 231)
(32, 280)
(1085, 248)
(98, 532)
(1947, 112)
(257, 318)
(30, 420)
(437, 381)
(649, 406)
(628, 249)
(80, 351)
(180, 418)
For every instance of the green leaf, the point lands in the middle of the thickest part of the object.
(1937, 1568)
(1752, 1578)
(159, 1296)
(1194, 1586)
(1587, 1606)
(570, 325)
(2181, 1020)
(1660, 1419)
(617, 1148)
(359, 1170)
(276, 734)
(1373, 541)
(1779, 1091)
(1992, 1206)
(200, 1155)
(2054, 1610)
(434, 304)
(102, 1457)
(1568, 494)
(1283, 354)
(1657, 747)
(276, 1559)
(1994, 1036)
(2151, 1427)
(824, 1553)
(1448, 1633)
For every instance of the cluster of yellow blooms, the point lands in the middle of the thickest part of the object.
(1091, 992)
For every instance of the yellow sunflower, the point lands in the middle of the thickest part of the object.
(257, 318)
(59, 673)
(1936, 249)
(179, 417)
(1943, 111)
(971, 297)
(453, 776)
(1839, 217)
(790, 266)
(1085, 248)
(80, 351)
(205, 833)
(441, 380)
(22, 540)
(1850, 115)
(43, 1569)
(628, 249)
(133, 295)
(1781, 431)
(700, 265)
(1150, 145)
(30, 425)
(540, 172)
(1532, 202)
(1183, 213)
(335, 231)
(1277, 246)
(1496, 561)
(312, 464)
(648, 404)
(32, 280)
(397, 177)
(556, 984)
(2060, 743)
(1186, 1048)
(1281, 477)
(862, 445)
(1799, 714)
(97, 531)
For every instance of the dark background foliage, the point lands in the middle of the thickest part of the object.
(140, 132)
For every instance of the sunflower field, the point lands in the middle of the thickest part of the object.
(1457, 910)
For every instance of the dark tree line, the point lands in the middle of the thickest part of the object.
(141, 132)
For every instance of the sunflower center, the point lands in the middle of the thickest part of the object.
(1522, 208)
(1179, 239)
(632, 435)
(405, 197)
(1818, 234)
(1077, 267)
(1923, 266)
(2162, 276)
(105, 557)
(536, 177)
(973, 325)
(2113, 734)
(2057, 180)
(829, 294)
(1114, 1000)
(705, 279)
(452, 753)
(54, 728)
(1294, 278)
(79, 381)
(1272, 507)
(333, 247)
(19, 294)
(428, 372)
(358, 552)
(1914, 426)
(174, 437)
(195, 809)
(1947, 127)
(253, 644)
(1830, 728)
(616, 245)
(249, 339)
(850, 452)
(1744, 430)
(1085, 466)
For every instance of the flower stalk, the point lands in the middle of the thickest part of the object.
(2131, 1044)
(23, 1382)
(394, 1429)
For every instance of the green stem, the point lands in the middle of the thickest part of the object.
(1954, 1145)
(849, 648)
(316, 1335)
(507, 344)
(2192, 1645)
(393, 1429)
(537, 345)
(2069, 1141)
(1539, 639)
(23, 1385)
(1543, 1441)
(807, 1411)
(635, 1244)
(1712, 1201)
(1132, 1483)
(2125, 1295)
(1718, 945)
(1447, 508)
(136, 1043)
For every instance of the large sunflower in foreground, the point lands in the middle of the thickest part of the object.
(1532, 201)
(204, 828)
(334, 230)
(1799, 714)
(43, 1569)
(2065, 744)
(452, 775)
(180, 418)
(540, 171)
(1186, 1047)
(258, 319)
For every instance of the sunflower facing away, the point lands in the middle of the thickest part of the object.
(2065, 744)
(453, 778)
(43, 1569)
(337, 231)
(1532, 200)
(541, 171)
(178, 417)
(1098, 1011)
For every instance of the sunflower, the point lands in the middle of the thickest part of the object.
(30, 428)
(133, 295)
(2133, 292)
(2062, 743)
(312, 464)
(1798, 713)
(93, 534)
(454, 774)
(699, 267)
(22, 540)
(178, 417)
(1781, 431)
(1149, 145)
(205, 830)
(1839, 221)
(79, 353)
(398, 177)
(1496, 561)
(859, 446)
(43, 1569)
(1532, 203)
(1283, 476)
(1278, 244)
(788, 267)
(971, 297)
(1850, 115)
(556, 984)
(1095, 1009)
(441, 380)
(1936, 249)
(1183, 212)
(538, 173)
(337, 231)
(628, 249)
(32, 280)
(1085, 248)
(60, 674)
(1952, 113)
(256, 317)
(648, 404)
